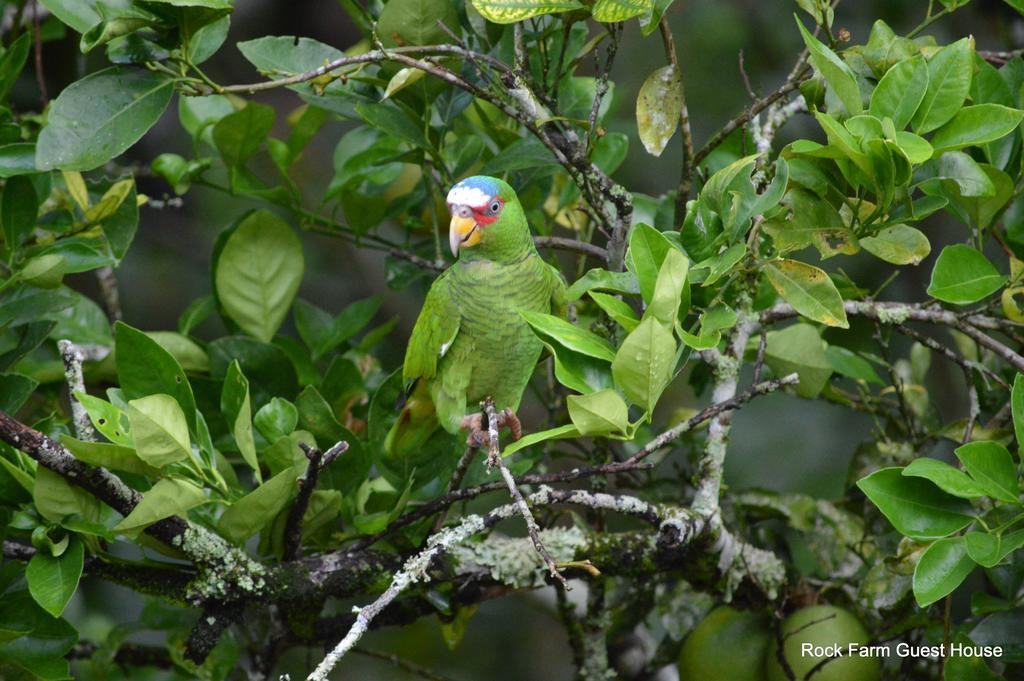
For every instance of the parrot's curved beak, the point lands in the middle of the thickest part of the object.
(463, 232)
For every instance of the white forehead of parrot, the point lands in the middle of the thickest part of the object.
(462, 195)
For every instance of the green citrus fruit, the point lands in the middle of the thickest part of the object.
(815, 634)
(728, 645)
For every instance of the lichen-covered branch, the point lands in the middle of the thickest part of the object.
(72, 357)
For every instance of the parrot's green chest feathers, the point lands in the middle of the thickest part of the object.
(495, 345)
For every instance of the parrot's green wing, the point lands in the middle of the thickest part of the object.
(435, 330)
(559, 292)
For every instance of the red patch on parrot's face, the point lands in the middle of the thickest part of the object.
(485, 215)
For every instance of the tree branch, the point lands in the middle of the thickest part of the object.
(494, 459)
(293, 525)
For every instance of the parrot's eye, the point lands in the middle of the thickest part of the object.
(494, 208)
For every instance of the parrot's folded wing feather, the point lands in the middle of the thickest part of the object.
(559, 293)
(434, 333)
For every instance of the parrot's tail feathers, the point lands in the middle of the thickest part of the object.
(416, 423)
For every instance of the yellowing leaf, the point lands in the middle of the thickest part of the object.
(611, 11)
(809, 290)
(76, 188)
(658, 107)
(511, 11)
(403, 79)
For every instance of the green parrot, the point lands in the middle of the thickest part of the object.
(470, 341)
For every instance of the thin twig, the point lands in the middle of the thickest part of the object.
(460, 473)
(739, 121)
(403, 664)
(952, 356)
(494, 458)
(563, 244)
(37, 40)
(318, 460)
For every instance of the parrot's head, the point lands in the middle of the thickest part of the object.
(487, 217)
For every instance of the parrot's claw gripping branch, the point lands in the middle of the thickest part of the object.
(494, 421)
(478, 435)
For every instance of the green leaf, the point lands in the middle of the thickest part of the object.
(27, 304)
(962, 275)
(144, 368)
(941, 569)
(116, 457)
(916, 149)
(16, 159)
(189, 355)
(809, 290)
(799, 348)
(899, 245)
(169, 496)
(569, 335)
(851, 365)
(278, 56)
(350, 469)
(12, 62)
(837, 74)
(946, 477)
(276, 419)
(949, 81)
(601, 279)
(915, 507)
(976, 125)
(668, 289)
(239, 135)
(258, 273)
(321, 333)
(965, 667)
(99, 117)
(394, 122)
(1017, 409)
(991, 466)
(958, 167)
(55, 498)
(248, 515)
(899, 92)
(644, 364)
(237, 410)
(511, 11)
(110, 421)
(599, 413)
(78, 14)
(658, 106)
(53, 581)
(988, 550)
(19, 208)
(619, 310)
(15, 389)
(647, 250)
(560, 433)
(41, 652)
(159, 430)
(415, 22)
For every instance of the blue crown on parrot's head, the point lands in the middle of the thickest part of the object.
(476, 191)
